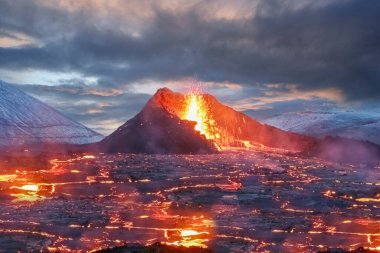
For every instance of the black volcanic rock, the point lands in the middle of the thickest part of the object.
(155, 130)
(338, 250)
(154, 248)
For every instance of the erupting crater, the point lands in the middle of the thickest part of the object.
(197, 111)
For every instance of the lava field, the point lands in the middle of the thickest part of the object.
(234, 201)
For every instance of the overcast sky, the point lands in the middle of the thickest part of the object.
(99, 61)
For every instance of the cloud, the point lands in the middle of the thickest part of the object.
(98, 108)
(15, 40)
(78, 89)
(325, 49)
(286, 93)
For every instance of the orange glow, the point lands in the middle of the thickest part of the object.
(329, 193)
(202, 109)
(88, 157)
(28, 187)
(194, 231)
(30, 195)
(25, 197)
(196, 110)
(5, 178)
(32, 192)
(374, 248)
(190, 232)
(368, 200)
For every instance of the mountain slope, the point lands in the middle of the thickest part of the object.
(236, 128)
(349, 124)
(25, 120)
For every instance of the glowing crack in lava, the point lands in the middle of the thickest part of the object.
(194, 231)
(196, 110)
(29, 187)
(32, 192)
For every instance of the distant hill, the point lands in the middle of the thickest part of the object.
(24, 120)
(359, 125)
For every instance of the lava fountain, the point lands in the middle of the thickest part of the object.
(197, 111)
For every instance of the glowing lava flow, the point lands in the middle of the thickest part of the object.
(28, 187)
(196, 110)
(194, 231)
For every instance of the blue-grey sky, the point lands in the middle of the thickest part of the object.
(98, 61)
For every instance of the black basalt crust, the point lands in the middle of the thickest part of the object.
(338, 250)
(154, 248)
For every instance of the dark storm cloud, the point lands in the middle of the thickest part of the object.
(331, 45)
(36, 20)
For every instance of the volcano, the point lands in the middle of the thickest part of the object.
(156, 130)
(194, 123)
(172, 122)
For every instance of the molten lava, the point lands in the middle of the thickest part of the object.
(196, 110)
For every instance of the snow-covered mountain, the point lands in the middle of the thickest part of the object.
(25, 120)
(360, 125)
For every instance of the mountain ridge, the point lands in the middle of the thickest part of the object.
(26, 120)
(359, 125)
